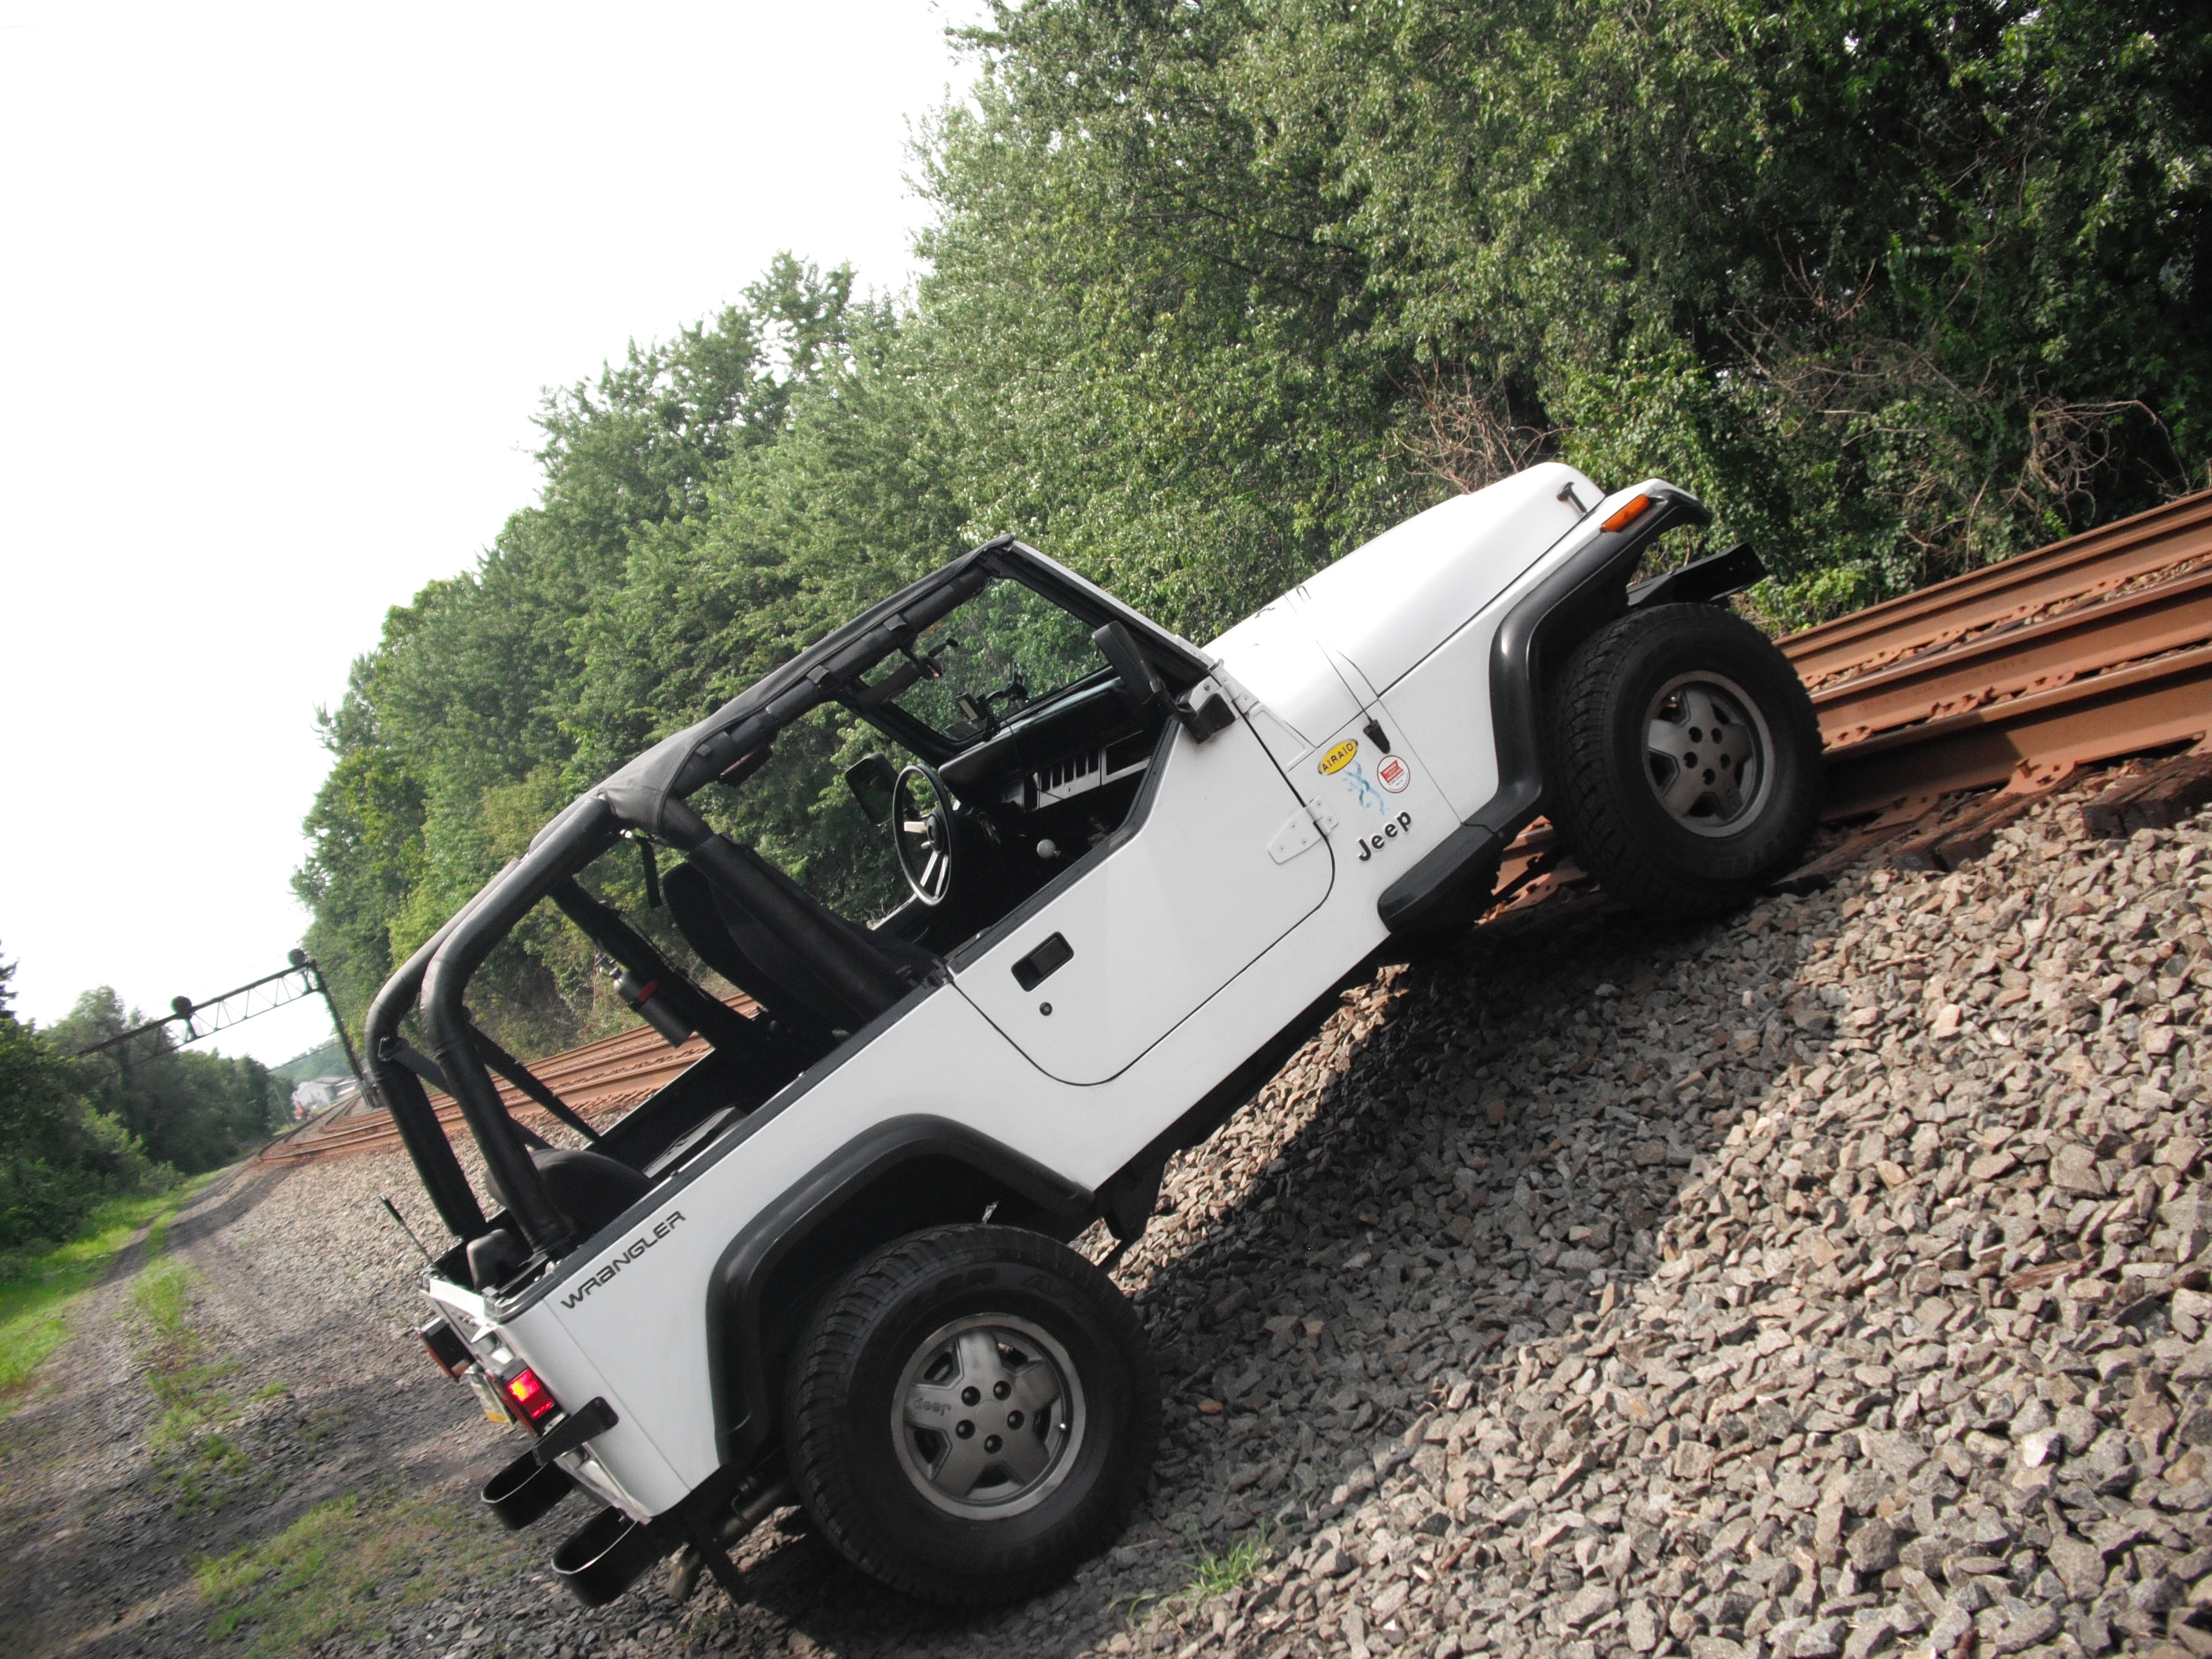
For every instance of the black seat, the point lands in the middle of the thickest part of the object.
(773, 970)
(590, 1189)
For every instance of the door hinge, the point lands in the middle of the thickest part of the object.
(1303, 827)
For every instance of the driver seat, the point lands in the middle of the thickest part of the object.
(773, 970)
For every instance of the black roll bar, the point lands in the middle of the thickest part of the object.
(649, 795)
(579, 835)
(432, 1154)
(604, 927)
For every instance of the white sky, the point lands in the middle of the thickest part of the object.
(279, 291)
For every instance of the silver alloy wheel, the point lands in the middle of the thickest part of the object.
(1708, 753)
(988, 1416)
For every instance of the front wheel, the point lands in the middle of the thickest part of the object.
(972, 1413)
(1684, 759)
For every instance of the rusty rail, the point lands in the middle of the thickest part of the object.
(2078, 570)
(2033, 742)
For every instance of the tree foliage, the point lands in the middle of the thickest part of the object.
(1217, 288)
(59, 1154)
(188, 1109)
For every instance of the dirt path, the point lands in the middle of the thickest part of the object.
(112, 1490)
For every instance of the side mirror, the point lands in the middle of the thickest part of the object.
(873, 779)
(1141, 685)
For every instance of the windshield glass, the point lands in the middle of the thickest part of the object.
(966, 675)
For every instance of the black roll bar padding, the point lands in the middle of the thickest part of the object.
(426, 1068)
(420, 1131)
(575, 838)
(849, 966)
(603, 925)
(813, 678)
(417, 1061)
(527, 1080)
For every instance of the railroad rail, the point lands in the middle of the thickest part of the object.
(1944, 713)
(600, 1080)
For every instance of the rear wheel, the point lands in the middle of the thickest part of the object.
(1684, 759)
(972, 1413)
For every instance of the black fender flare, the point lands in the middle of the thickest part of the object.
(743, 1391)
(1585, 591)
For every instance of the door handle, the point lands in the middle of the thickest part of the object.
(1041, 964)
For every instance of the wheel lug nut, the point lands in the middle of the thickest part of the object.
(1013, 1419)
(964, 1429)
(971, 1396)
(1000, 1390)
(991, 1443)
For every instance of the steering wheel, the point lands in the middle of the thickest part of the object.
(924, 827)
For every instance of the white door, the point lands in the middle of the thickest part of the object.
(1224, 864)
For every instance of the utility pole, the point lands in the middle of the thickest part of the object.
(307, 965)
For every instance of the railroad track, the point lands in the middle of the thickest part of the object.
(1945, 713)
(601, 1081)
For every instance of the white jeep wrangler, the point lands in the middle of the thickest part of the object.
(827, 1264)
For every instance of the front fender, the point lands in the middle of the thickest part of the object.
(904, 1174)
(1580, 588)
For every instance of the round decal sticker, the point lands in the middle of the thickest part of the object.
(1339, 757)
(1394, 774)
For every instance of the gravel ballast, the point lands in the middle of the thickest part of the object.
(1827, 1281)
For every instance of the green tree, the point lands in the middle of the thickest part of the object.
(189, 1109)
(59, 1156)
(466, 728)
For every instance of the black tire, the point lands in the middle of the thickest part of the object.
(1672, 839)
(864, 1473)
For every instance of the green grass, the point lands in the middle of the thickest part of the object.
(1214, 1573)
(35, 1299)
(190, 1451)
(341, 1570)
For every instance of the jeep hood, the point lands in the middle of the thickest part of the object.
(1382, 607)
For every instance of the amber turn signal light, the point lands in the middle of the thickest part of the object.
(1628, 512)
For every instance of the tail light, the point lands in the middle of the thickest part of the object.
(533, 1402)
(448, 1351)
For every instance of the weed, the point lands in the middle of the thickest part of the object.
(321, 1422)
(189, 1448)
(341, 1570)
(1215, 1573)
(36, 1295)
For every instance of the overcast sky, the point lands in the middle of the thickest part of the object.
(280, 290)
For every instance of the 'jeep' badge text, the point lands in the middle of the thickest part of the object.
(1370, 845)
